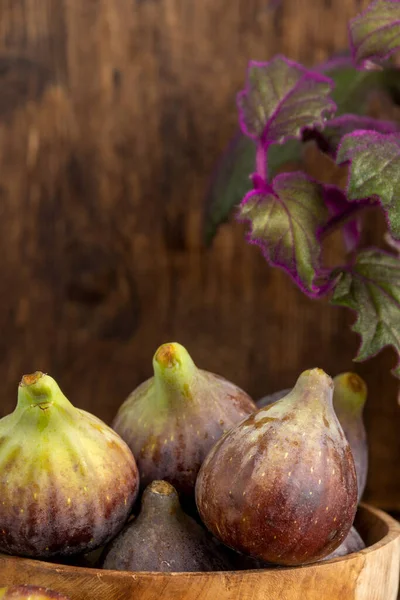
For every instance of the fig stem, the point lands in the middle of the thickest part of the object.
(161, 487)
(157, 497)
(350, 394)
(173, 371)
(39, 389)
(314, 387)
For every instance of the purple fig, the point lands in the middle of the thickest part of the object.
(352, 543)
(281, 486)
(272, 398)
(172, 420)
(29, 592)
(163, 538)
(67, 481)
(349, 398)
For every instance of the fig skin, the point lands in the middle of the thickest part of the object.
(67, 481)
(163, 538)
(171, 421)
(352, 543)
(29, 592)
(272, 398)
(281, 486)
(349, 397)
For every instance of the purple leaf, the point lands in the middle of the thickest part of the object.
(329, 139)
(338, 206)
(354, 88)
(285, 219)
(374, 171)
(375, 33)
(371, 287)
(281, 98)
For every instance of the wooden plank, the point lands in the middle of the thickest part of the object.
(112, 116)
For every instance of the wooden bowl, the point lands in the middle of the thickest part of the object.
(372, 574)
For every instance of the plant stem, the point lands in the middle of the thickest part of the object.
(261, 161)
(339, 220)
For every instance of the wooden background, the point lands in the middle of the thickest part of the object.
(112, 116)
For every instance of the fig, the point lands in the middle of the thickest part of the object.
(271, 398)
(163, 538)
(281, 486)
(349, 398)
(29, 592)
(172, 420)
(352, 543)
(67, 481)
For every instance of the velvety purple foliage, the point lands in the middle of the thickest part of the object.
(285, 220)
(284, 106)
(374, 170)
(375, 33)
(231, 178)
(281, 98)
(371, 287)
(337, 127)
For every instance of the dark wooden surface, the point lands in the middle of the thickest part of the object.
(112, 115)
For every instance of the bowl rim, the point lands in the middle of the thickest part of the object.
(393, 533)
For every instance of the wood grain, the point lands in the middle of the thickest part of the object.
(372, 574)
(112, 116)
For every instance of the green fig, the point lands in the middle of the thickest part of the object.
(349, 398)
(163, 538)
(29, 592)
(281, 486)
(172, 420)
(352, 543)
(67, 481)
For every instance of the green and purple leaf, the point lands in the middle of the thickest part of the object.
(231, 181)
(232, 177)
(375, 33)
(374, 171)
(353, 87)
(285, 220)
(371, 287)
(330, 137)
(281, 99)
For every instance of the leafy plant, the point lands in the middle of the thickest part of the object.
(282, 106)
